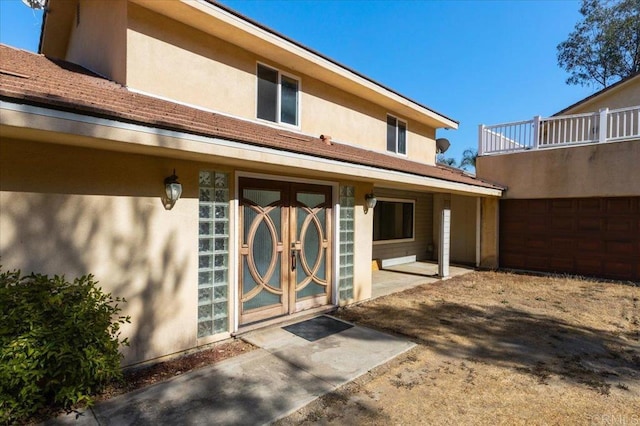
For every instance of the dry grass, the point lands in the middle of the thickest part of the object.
(497, 348)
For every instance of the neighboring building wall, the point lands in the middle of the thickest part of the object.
(587, 236)
(570, 209)
(98, 38)
(169, 59)
(626, 95)
(423, 216)
(597, 170)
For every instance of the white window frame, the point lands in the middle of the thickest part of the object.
(279, 95)
(413, 225)
(406, 135)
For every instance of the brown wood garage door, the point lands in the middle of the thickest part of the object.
(585, 236)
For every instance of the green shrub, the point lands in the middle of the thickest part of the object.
(59, 342)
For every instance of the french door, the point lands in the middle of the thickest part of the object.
(285, 248)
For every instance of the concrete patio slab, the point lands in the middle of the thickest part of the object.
(336, 359)
(397, 278)
(283, 375)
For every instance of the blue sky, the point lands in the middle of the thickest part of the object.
(474, 61)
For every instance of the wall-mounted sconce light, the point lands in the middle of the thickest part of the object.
(173, 190)
(370, 201)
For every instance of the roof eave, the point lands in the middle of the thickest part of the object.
(48, 115)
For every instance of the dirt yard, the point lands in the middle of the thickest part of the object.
(496, 348)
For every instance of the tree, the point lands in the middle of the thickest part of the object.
(468, 159)
(605, 45)
(441, 159)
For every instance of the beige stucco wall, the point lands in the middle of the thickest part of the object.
(626, 95)
(75, 211)
(99, 212)
(597, 170)
(489, 232)
(363, 235)
(349, 119)
(463, 226)
(463, 229)
(169, 59)
(98, 38)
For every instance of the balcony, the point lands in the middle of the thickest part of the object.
(560, 131)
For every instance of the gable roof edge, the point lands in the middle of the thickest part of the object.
(614, 86)
(320, 55)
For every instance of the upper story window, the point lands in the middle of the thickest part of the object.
(396, 135)
(278, 96)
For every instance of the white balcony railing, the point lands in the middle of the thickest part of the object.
(604, 126)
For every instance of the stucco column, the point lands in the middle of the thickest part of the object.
(478, 230)
(362, 271)
(444, 242)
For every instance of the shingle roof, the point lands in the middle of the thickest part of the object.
(36, 80)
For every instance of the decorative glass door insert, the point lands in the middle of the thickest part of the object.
(285, 248)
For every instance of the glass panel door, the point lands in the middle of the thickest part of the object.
(311, 240)
(263, 214)
(285, 248)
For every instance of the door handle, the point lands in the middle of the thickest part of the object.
(294, 261)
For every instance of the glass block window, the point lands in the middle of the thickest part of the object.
(347, 220)
(213, 253)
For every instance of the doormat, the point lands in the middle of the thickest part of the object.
(317, 328)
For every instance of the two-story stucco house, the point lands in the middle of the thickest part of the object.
(278, 149)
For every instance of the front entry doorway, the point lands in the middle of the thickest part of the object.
(285, 248)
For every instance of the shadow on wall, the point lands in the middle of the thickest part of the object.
(116, 239)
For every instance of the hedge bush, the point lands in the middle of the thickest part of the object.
(59, 342)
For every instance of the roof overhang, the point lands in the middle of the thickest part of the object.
(46, 125)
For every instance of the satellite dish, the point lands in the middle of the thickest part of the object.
(35, 4)
(442, 145)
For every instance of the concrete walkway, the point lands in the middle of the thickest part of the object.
(283, 375)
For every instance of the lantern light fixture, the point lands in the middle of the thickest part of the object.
(173, 191)
(370, 202)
